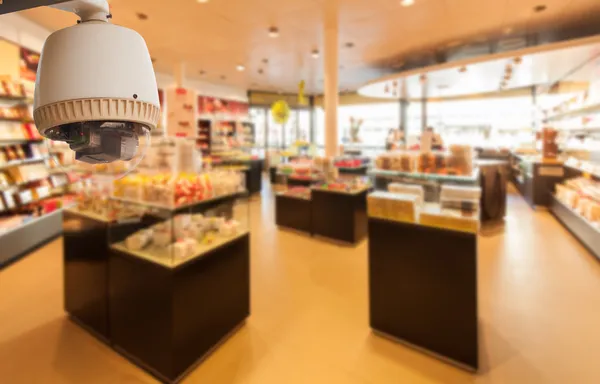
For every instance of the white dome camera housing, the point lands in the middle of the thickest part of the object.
(95, 88)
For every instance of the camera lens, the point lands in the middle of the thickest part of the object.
(110, 148)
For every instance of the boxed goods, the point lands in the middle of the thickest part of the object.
(457, 161)
(408, 189)
(393, 206)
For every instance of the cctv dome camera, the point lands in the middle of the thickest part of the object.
(95, 88)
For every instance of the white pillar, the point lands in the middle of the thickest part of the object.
(331, 97)
(179, 72)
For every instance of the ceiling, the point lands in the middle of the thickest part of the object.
(213, 38)
(485, 76)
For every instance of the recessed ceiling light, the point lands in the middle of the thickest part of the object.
(201, 72)
(202, 1)
(260, 71)
(223, 77)
(539, 8)
(240, 68)
(349, 44)
(273, 32)
(265, 61)
(407, 3)
(315, 53)
(141, 16)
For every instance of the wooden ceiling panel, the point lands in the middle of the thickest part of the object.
(218, 35)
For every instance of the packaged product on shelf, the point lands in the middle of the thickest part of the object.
(138, 240)
(5, 181)
(582, 195)
(393, 206)
(460, 200)
(460, 160)
(408, 189)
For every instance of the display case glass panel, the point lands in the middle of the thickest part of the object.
(172, 237)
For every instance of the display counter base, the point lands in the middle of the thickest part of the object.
(166, 320)
(578, 226)
(423, 288)
(293, 213)
(85, 257)
(339, 216)
(22, 240)
(425, 351)
(254, 176)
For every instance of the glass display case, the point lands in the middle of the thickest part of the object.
(172, 237)
(435, 200)
(301, 172)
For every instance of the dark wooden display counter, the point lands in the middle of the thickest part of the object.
(164, 319)
(578, 226)
(353, 171)
(293, 212)
(423, 289)
(339, 215)
(167, 320)
(536, 180)
(301, 182)
(85, 253)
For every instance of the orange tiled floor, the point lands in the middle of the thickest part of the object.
(539, 296)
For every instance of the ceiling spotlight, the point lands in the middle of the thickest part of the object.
(462, 69)
(265, 61)
(223, 77)
(141, 16)
(240, 68)
(260, 71)
(349, 44)
(539, 8)
(202, 1)
(201, 72)
(273, 32)
(407, 3)
(315, 53)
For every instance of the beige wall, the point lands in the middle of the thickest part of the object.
(9, 60)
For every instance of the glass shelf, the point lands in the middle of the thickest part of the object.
(473, 178)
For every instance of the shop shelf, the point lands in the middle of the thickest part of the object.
(585, 111)
(579, 226)
(16, 163)
(473, 178)
(5, 142)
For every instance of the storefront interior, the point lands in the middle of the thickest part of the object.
(347, 216)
